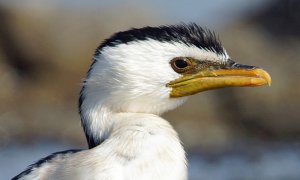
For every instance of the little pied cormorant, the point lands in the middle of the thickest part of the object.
(136, 75)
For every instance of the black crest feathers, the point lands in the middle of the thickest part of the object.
(189, 34)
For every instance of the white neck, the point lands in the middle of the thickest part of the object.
(99, 118)
(142, 141)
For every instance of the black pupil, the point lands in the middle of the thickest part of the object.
(180, 63)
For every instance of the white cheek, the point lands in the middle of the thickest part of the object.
(134, 75)
(146, 63)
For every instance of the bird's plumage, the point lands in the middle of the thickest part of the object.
(189, 34)
(43, 162)
(139, 147)
(135, 76)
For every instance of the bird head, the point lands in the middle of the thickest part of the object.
(155, 69)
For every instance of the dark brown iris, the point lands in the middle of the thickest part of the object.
(182, 65)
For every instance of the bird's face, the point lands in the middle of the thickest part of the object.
(155, 69)
(153, 76)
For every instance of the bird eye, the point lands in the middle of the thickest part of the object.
(181, 65)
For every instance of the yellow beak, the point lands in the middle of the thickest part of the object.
(190, 84)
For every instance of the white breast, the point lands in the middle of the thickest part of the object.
(140, 147)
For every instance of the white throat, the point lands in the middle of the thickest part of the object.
(140, 141)
(99, 117)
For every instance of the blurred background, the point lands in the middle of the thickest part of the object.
(236, 133)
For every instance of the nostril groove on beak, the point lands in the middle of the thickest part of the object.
(230, 63)
(233, 64)
(242, 66)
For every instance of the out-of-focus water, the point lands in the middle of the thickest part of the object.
(282, 163)
(273, 163)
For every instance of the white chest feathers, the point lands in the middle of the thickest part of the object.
(139, 147)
